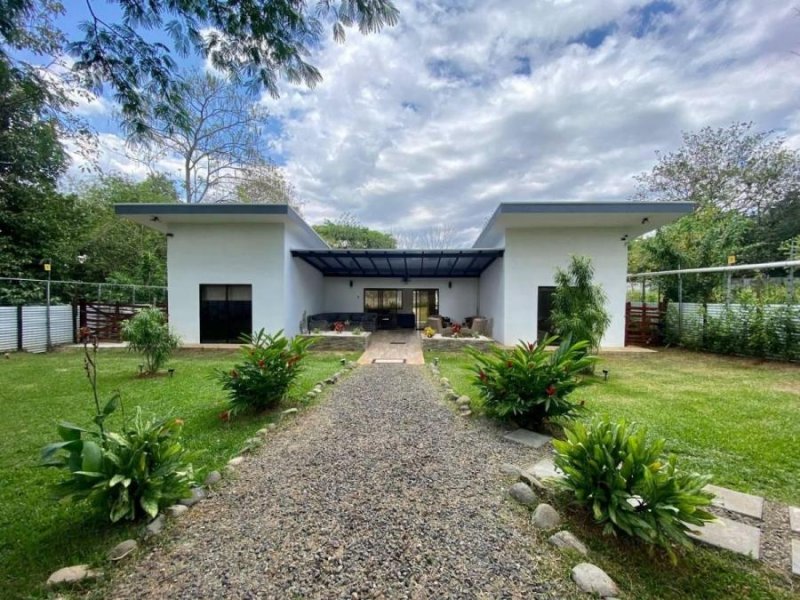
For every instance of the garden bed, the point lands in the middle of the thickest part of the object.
(346, 341)
(440, 343)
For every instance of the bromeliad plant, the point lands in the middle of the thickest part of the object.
(269, 366)
(530, 384)
(135, 472)
(612, 469)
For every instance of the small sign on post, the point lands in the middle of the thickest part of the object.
(47, 267)
(732, 259)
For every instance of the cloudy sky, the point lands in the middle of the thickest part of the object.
(469, 103)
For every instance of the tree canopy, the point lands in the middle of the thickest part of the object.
(348, 232)
(253, 42)
(746, 185)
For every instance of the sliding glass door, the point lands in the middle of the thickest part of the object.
(426, 303)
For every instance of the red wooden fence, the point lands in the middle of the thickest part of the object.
(644, 324)
(105, 320)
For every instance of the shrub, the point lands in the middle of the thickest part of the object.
(339, 326)
(579, 306)
(528, 383)
(429, 332)
(128, 474)
(615, 471)
(148, 333)
(270, 364)
(455, 328)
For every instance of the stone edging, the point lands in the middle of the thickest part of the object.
(78, 574)
(461, 402)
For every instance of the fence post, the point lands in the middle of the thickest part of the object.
(19, 327)
(74, 322)
(49, 326)
(680, 308)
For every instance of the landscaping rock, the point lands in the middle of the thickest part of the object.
(235, 461)
(511, 470)
(546, 517)
(155, 526)
(72, 575)
(262, 432)
(312, 394)
(463, 401)
(331, 380)
(252, 443)
(522, 494)
(450, 394)
(317, 389)
(564, 539)
(176, 510)
(444, 381)
(466, 413)
(593, 580)
(212, 478)
(533, 482)
(289, 411)
(198, 494)
(545, 469)
(122, 550)
(272, 426)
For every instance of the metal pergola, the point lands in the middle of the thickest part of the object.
(406, 264)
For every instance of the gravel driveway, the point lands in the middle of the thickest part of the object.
(379, 492)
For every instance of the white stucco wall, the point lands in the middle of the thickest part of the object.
(492, 294)
(304, 284)
(531, 257)
(457, 302)
(225, 253)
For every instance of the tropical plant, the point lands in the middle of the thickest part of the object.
(579, 306)
(269, 366)
(135, 472)
(339, 326)
(455, 329)
(148, 333)
(529, 384)
(613, 469)
(429, 332)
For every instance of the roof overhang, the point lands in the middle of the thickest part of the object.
(161, 216)
(406, 264)
(635, 218)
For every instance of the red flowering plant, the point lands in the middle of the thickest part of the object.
(269, 365)
(455, 329)
(530, 384)
(339, 326)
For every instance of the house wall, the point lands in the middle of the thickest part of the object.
(225, 253)
(457, 302)
(304, 284)
(531, 257)
(491, 295)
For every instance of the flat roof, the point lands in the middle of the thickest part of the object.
(408, 264)
(635, 218)
(159, 216)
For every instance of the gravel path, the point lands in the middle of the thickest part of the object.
(379, 492)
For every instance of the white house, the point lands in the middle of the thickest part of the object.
(240, 267)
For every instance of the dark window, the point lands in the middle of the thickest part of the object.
(545, 308)
(383, 301)
(226, 312)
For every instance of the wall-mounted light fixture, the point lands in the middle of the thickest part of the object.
(170, 235)
(450, 284)
(351, 283)
(624, 238)
(645, 221)
(154, 219)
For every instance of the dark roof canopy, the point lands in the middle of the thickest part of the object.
(400, 263)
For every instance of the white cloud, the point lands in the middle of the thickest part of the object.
(439, 120)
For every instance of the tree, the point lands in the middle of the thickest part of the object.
(732, 168)
(579, 305)
(433, 238)
(265, 183)
(218, 142)
(118, 250)
(348, 232)
(254, 42)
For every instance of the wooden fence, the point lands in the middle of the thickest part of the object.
(105, 320)
(645, 324)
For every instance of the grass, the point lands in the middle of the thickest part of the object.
(737, 419)
(39, 535)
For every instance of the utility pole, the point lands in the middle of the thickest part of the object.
(47, 264)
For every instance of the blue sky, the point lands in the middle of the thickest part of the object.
(467, 104)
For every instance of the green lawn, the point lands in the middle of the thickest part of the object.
(737, 419)
(39, 535)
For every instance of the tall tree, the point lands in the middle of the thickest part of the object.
(218, 143)
(435, 237)
(579, 305)
(252, 41)
(266, 183)
(348, 232)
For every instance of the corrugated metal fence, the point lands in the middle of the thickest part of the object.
(31, 321)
